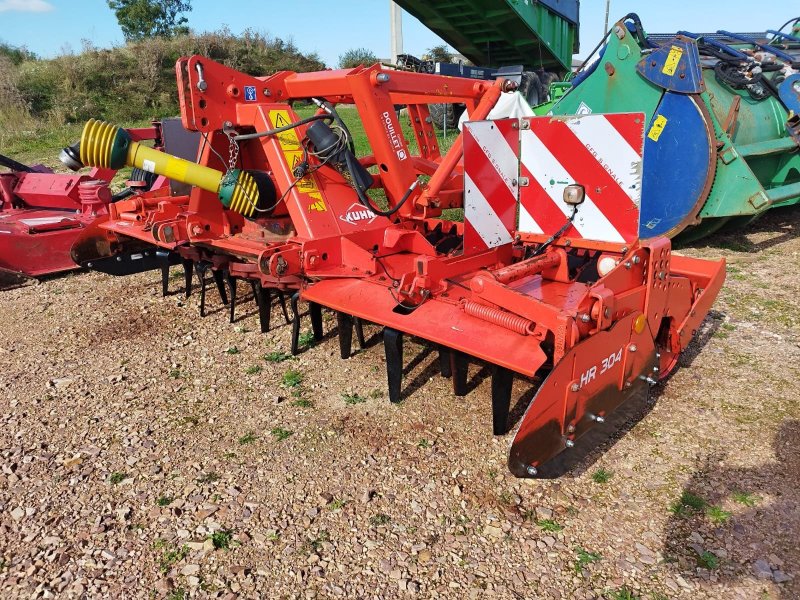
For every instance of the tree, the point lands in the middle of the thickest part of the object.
(355, 57)
(140, 19)
(439, 54)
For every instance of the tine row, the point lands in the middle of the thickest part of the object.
(452, 363)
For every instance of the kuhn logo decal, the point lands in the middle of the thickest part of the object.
(358, 214)
(394, 137)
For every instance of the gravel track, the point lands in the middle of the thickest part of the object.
(146, 452)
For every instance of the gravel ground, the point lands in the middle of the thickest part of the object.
(146, 452)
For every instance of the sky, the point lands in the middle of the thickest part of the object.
(331, 27)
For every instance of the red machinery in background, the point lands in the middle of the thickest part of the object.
(43, 212)
(545, 278)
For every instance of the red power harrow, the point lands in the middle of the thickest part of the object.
(544, 278)
(42, 212)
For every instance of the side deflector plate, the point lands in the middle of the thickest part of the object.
(592, 380)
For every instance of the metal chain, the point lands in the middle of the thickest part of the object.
(233, 150)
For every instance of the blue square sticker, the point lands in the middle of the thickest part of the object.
(250, 93)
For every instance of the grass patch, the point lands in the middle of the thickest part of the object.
(725, 329)
(549, 525)
(277, 357)
(172, 556)
(745, 498)
(247, 439)
(176, 373)
(292, 378)
(623, 593)
(232, 350)
(506, 497)
(315, 544)
(424, 443)
(253, 369)
(584, 558)
(302, 403)
(116, 477)
(379, 519)
(687, 503)
(602, 476)
(306, 339)
(336, 504)
(353, 399)
(717, 515)
(280, 434)
(164, 500)
(209, 477)
(176, 594)
(221, 539)
(708, 560)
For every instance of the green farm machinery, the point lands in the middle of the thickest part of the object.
(722, 117)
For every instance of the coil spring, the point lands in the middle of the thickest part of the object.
(499, 317)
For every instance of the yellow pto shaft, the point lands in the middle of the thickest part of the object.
(109, 146)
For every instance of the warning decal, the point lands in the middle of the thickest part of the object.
(673, 58)
(293, 153)
(657, 128)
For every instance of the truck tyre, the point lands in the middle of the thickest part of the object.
(531, 88)
(448, 114)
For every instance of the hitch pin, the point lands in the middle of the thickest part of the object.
(201, 83)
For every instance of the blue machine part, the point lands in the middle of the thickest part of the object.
(717, 44)
(679, 164)
(786, 36)
(765, 47)
(674, 66)
(789, 92)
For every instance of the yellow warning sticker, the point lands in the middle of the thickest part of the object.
(293, 153)
(673, 58)
(657, 128)
(318, 206)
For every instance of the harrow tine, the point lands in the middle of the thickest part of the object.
(362, 342)
(187, 275)
(345, 323)
(315, 310)
(445, 362)
(460, 369)
(164, 260)
(200, 268)
(502, 382)
(232, 290)
(295, 324)
(219, 279)
(264, 302)
(393, 345)
(282, 299)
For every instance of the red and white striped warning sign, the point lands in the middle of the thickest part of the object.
(510, 164)
(603, 153)
(491, 172)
